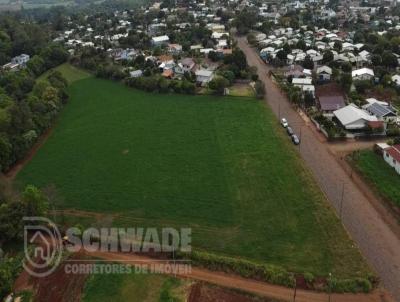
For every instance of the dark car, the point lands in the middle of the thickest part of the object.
(289, 131)
(295, 139)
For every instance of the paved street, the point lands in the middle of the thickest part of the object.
(378, 243)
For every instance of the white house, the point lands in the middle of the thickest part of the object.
(16, 63)
(21, 59)
(392, 157)
(185, 65)
(136, 73)
(396, 79)
(353, 118)
(324, 73)
(203, 76)
(160, 40)
(362, 74)
(305, 84)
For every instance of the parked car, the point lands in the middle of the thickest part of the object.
(289, 131)
(284, 123)
(295, 139)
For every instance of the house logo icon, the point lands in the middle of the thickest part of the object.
(42, 246)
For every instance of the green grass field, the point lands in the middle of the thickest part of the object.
(384, 178)
(221, 166)
(135, 288)
(70, 72)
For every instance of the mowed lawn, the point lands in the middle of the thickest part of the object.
(221, 166)
(383, 177)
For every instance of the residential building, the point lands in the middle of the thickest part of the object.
(396, 79)
(382, 112)
(362, 74)
(185, 65)
(136, 73)
(392, 157)
(20, 60)
(160, 40)
(203, 76)
(324, 73)
(353, 118)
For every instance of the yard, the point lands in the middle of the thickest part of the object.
(384, 178)
(219, 165)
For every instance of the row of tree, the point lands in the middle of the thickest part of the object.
(13, 207)
(28, 106)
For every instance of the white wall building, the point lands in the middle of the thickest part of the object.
(392, 157)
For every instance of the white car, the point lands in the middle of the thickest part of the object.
(284, 123)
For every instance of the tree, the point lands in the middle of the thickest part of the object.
(260, 89)
(376, 60)
(213, 56)
(327, 57)
(389, 60)
(251, 39)
(294, 94)
(346, 67)
(246, 19)
(229, 75)
(36, 65)
(346, 81)
(36, 203)
(301, 45)
(218, 84)
(337, 45)
(308, 63)
(281, 55)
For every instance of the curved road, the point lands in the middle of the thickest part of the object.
(376, 240)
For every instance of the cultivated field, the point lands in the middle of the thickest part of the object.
(384, 178)
(221, 166)
(135, 287)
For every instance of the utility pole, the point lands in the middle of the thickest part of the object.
(330, 289)
(295, 289)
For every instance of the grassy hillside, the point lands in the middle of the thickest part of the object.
(219, 165)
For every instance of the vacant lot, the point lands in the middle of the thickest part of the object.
(221, 166)
(377, 172)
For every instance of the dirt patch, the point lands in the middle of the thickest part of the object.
(202, 292)
(23, 282)
(60, 286)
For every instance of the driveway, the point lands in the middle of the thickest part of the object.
(377, 241)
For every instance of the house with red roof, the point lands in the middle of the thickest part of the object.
(392, 157)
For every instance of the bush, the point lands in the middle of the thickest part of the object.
(274, 274)
(247, 269)
(355, 285)
(393, 131)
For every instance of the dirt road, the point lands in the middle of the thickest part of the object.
(255, 287)
(377, 241)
